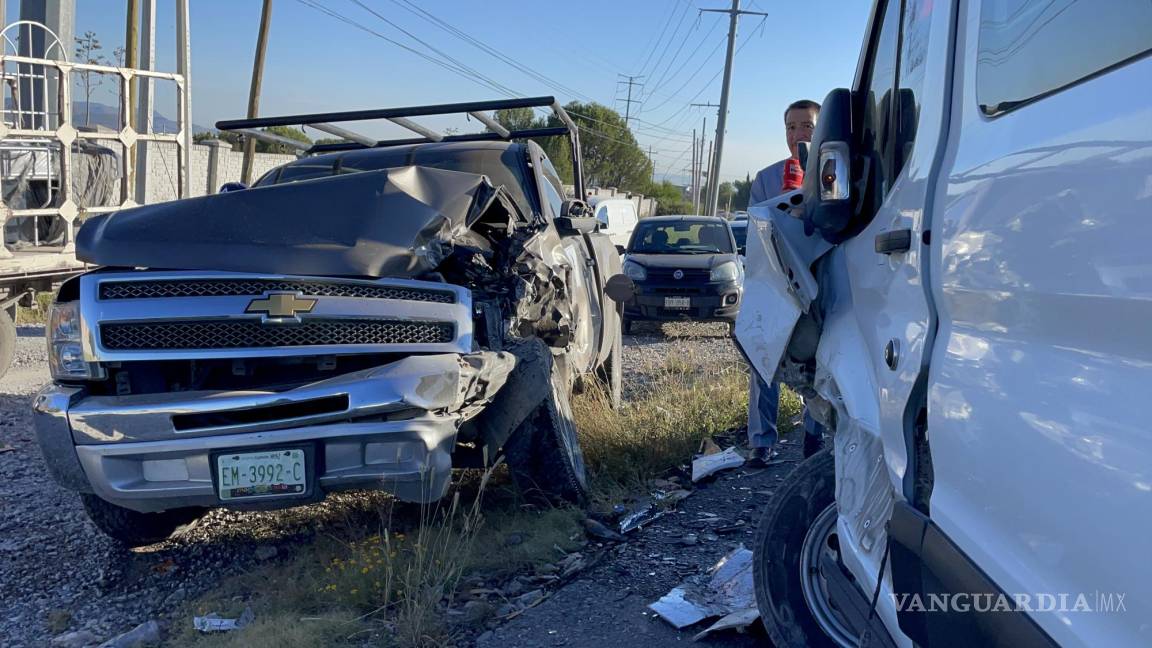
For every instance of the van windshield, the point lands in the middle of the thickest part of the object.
(681, 238)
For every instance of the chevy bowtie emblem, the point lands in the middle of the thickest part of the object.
(281, 305)
(679, 274)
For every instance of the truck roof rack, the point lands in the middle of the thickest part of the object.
(401, 117)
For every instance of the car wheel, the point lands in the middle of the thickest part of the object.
(611, 373)
(543, 454)
(799, 528)
(132, 528)
(7, 341)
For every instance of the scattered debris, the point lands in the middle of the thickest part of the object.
(477, 612)
(145, 634)
(214, 623)
(572, 563)
(597, 530)
(653, 507)
(529, 599)
(736, 621)
(266, 552)
(710, 464)
(77, 639)
(730, 594)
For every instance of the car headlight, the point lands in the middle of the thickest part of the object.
(726, 271)
(65, 351)
(635, 271)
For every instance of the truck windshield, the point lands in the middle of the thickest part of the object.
(681, 238)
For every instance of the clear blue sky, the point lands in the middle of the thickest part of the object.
(316, 62)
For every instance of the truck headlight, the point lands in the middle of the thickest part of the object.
(65, 351)
(726, 271)
(635, 271)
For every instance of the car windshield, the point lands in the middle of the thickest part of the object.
(679, 237)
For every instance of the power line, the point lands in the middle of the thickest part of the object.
(455, 66)
(660, 82)
(667, 45)
(655, 45)
(459, 33)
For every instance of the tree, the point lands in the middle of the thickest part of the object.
(727, 193)
(87, 51)
(611, 155)
(669, 198)
(743, 193)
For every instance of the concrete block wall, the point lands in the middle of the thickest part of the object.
(213, 163)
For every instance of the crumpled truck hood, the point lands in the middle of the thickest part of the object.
(390, 223)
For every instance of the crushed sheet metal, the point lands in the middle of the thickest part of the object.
(390, 223)
(730, 591)
(777, 248)
(214, 623)
(710, 464)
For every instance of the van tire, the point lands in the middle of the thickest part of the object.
(7, 341)
(626, 325)
(132, 528)
(806, 493)
(543, 453)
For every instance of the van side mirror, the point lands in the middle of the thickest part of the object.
(828, 172)
(232, 186)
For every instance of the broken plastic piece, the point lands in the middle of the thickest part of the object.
(730, 593)
(710, 464)
(214, 623)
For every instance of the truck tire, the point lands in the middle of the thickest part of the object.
(611, 373)
(543, 454)
(789, 533)
(7, 341)
(134, 529)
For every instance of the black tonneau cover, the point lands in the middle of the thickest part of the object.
(395, 222)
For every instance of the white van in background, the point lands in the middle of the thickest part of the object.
(617, 218)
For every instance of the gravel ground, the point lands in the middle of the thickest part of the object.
(59, 574)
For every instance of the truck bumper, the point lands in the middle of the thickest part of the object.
(389, 428)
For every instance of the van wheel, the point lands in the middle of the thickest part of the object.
(626, 325)
(611, 373)
(798, 529)
(544, 453)
(7, 341)
(132, 528)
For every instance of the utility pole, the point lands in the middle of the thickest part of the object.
(692, 174)
(254, 91)
(733, 19)
(652, 163)
(707, 181)
(184, 68)
(629, 101)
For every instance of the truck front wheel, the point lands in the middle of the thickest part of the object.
(544, 454)
(134, 529)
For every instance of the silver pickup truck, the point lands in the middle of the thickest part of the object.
(366, 317)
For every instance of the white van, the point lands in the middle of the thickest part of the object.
(617, 218)
(962, 291)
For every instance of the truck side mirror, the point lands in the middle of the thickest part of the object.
(828, 172)
(620, 288)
